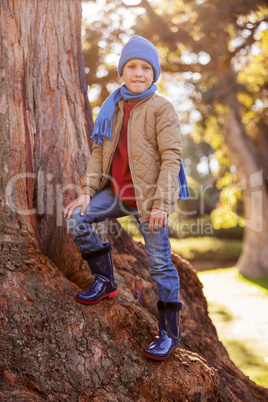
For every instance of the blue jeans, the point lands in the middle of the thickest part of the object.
(105, 205)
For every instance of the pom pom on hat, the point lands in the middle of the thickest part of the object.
(140, 48)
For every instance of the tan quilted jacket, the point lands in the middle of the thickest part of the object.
(154, 150)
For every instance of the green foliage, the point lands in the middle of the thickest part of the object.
(220, 312)
(225, 216)
(208, 249)
(129, 224)
(202, 226)
(248, 359)
(260, 282)
(185, 228)
(180, 228)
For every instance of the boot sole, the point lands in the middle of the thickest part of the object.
(159, 358)
(109, 295)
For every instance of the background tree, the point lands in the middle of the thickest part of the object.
(214, 42)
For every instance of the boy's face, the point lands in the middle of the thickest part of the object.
(138, 75)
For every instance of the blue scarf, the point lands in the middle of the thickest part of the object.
(104, 125)
(184, 190)
(104, 122)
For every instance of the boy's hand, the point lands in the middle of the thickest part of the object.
(83, 200)
(158, 219)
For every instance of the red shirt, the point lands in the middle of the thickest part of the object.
(122, 184)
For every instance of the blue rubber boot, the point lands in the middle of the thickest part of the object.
(169, 331)
(101, 266)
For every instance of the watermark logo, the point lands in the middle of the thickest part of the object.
(50, 197)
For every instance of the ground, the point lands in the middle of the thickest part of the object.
(238, 309)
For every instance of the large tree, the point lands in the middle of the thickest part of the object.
(53, 348)
(213, 41)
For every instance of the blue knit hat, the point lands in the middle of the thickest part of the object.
(140, 48)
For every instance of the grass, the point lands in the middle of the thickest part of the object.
(204, 248)
(261, 282)
(220, 312)
(249, 362)
(238, 308)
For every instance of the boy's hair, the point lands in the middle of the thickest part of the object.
(140, 48)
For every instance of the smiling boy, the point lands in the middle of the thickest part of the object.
(134, 169)
(138, 75)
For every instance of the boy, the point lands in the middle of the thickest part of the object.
(134, 169)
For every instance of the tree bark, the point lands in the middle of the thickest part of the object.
(252, 176)
(52, 348)
(44, 131)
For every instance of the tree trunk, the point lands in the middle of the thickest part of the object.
(52, 348)
(44, 132)
(254, 258)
